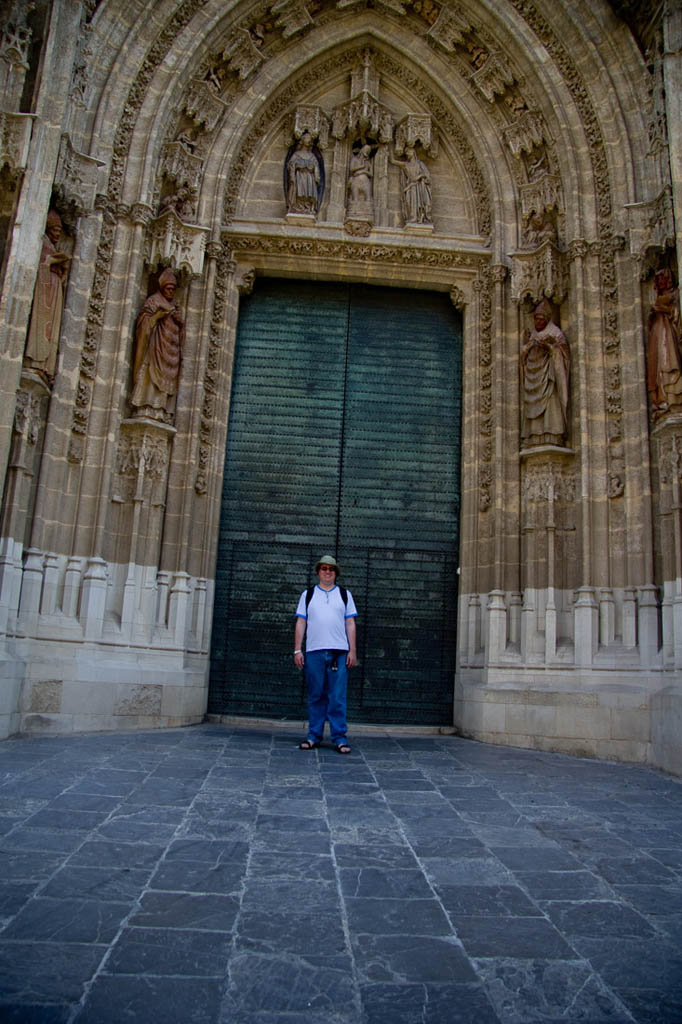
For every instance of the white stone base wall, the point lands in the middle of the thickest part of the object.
(609, 689)
(89, 645)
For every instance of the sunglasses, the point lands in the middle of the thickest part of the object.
(327, 568)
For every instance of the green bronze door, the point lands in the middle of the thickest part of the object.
(344, 436)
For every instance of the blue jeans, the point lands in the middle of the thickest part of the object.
(326, 694)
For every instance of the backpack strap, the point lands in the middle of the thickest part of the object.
(311, 590)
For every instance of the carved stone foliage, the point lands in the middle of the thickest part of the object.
(484, 286)
(249, 246)
(225, 268)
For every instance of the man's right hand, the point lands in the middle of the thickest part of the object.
(299, 660)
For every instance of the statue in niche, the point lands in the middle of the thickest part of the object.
(360, 172)
(545, 367)
(664, 362)
(159, 339)
(303, 178)
(42, 341)
(415, 185)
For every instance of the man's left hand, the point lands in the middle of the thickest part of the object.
(351, 659)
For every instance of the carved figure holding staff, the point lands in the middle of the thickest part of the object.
(159, 340)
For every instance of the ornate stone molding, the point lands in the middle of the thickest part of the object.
(348, 250)
(76, 177)
(416, 129)
(549, 479)
(181, 166)
(245, 278)
(292, 16)
(450, 27)
(203, 105)
(541, 195)
(15, 137)
(347, 117)
(524, 134)
(543, 272)
(15, 39)
(311, 119)
(173, 243)
(651, 229)
(494, 77)
(226, 268)
(27, 410)
(243, 55)
(142, 461)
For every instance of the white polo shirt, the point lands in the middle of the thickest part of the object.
(326, 619)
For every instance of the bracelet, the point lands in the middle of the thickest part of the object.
(297, 652)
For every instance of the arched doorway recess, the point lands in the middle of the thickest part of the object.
(544, 173)
(344, 436)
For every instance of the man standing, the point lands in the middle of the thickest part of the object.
(326, 617)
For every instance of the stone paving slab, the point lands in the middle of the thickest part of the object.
(218, 875)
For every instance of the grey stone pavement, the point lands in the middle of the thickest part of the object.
(218, 874)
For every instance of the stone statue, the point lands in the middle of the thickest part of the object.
(545, 367)
(360, 176)
(303, 178)
(159, 339)
(415, 184)
(664, 362)
(180, 201)
(42, 341)
(539, 229)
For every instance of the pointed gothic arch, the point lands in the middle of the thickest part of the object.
(548, 181)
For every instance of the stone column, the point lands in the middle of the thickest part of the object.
(672, 76)
(33, 199)
(586, 610)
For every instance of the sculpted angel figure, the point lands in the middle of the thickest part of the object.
(545, 367)
(159, 339)
(664, 361)
(42, 341)
(415, 184)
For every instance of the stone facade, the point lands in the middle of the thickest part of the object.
(514, 152)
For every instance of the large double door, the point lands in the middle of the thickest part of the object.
(344, 437)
